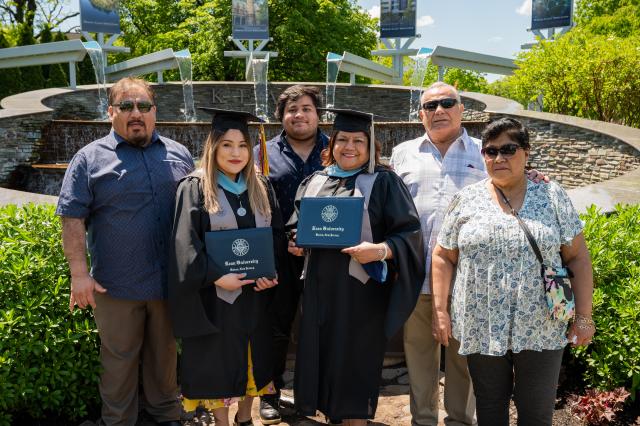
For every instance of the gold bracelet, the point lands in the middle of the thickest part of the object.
(584, 322)
(578, 318)
(585, 327)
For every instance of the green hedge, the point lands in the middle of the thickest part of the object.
(613, 359)
(49, 364)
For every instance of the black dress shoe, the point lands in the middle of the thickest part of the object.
(170, 423)
(237, 423)
(270, 410)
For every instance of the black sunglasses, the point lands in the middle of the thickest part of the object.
(507, 150)
(445, 103)
(127, 106)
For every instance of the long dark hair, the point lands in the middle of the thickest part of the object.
(258, 197)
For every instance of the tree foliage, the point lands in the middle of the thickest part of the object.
(609, 17)
(465, 80)
(303, 32)
(32, 77)
(591, 71)
(35, 15)
(10, 78)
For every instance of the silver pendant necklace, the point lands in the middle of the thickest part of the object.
(241, 210)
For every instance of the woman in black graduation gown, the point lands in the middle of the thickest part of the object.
(345, 323)
(226, 344)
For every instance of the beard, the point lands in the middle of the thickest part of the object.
(140, 138)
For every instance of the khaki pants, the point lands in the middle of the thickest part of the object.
(422, 352)
(136, 332)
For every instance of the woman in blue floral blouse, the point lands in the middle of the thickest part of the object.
(499, 311)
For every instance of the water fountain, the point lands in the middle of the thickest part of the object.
(421, 62)
(333, 69)
(98, 60)
(157, 62)
(183, 58)
(259, 71)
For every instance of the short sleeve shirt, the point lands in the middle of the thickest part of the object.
(126, 195)
(498, 302)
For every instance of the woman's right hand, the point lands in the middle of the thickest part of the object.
(232, 281)
(441, 326)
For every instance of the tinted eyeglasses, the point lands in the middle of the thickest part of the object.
(506, 151)
(445, 103)
(128, 106)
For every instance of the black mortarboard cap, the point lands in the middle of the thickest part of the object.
(224, 119)
(348, 120)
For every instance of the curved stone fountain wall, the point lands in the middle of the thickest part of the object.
(33, 130)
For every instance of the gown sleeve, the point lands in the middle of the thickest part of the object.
(279, 235)
(190, 271)
(292, 222)
(395, 220)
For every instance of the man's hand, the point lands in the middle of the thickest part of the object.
(82, 289)
(441, 327)
(536, 176)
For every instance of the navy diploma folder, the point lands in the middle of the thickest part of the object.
(238, 251)
(329, 222)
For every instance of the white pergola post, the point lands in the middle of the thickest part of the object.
(397, 50)
(72, 75)
(249, 52)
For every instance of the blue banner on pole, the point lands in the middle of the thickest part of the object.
(551, 14)
(250, 19)
(397, 18)
(99, 16)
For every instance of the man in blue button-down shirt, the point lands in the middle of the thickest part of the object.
(117, 198)
(293, 155)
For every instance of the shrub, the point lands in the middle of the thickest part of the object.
(48, 356)
(613, 358)
(598, 407)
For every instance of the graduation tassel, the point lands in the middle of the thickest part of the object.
(372, 149)
(264, 158)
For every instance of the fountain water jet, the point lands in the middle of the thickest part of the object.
(259, 72)
(421, 62)
(333, 69)
(97, 59)
(183, 58)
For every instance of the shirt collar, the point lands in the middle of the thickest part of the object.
(119, 139)
(463, 138)
(321, 140)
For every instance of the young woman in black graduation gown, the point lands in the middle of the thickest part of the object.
(345, 323)
(226, 347)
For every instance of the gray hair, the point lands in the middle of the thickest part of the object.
(439, 85)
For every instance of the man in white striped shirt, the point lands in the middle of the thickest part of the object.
(434, 167)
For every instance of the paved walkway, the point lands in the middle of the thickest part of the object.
(393, 404)
(9, 196)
